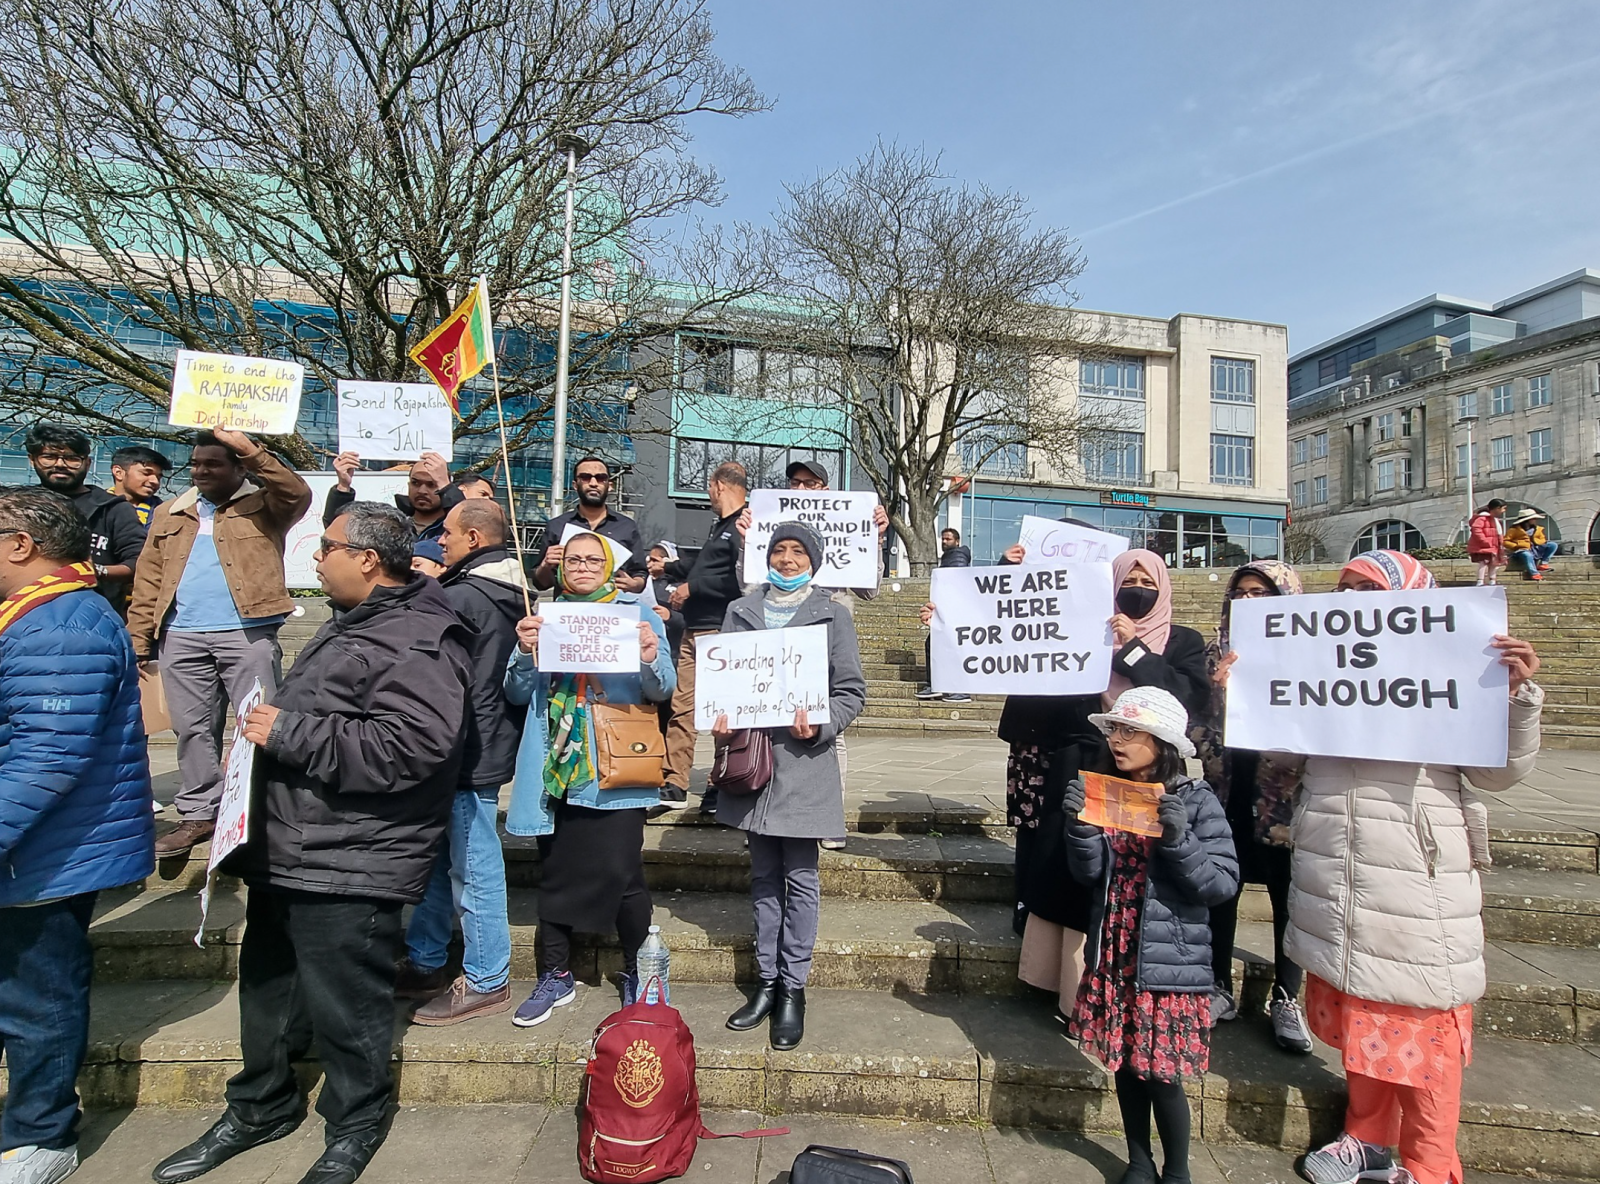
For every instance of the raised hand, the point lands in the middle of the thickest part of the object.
(344, 469)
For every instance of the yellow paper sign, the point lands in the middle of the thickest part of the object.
(1115, 804)
(260, 395)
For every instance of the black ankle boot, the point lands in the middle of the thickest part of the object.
(758, 1009)
(788, 1018)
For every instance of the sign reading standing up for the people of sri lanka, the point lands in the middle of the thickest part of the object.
(1392, 676)
(256, 395)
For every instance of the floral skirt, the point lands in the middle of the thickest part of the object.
(1025, 765)
(1159, 1035)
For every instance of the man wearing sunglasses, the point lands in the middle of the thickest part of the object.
(591, 481)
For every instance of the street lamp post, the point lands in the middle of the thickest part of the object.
(1472, 468)
(576, 148)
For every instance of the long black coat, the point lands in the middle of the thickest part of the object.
(354, 786)
(1182, 884)
(485, 591)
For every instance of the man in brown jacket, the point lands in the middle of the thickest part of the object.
(208, 597)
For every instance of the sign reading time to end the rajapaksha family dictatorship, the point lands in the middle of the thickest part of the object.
(590, 638)
(393, 420)
(843, 521)
(1046, 541)
(1022, 630)
(259, 395)
(761, 678)
(1393, 676)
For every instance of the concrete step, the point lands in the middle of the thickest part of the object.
(883, 725)
(950, 1059)
(1553, 908)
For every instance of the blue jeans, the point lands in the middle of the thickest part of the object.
(1531, 558)
(45, 968)
(469, 880)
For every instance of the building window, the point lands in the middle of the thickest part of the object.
(979, 454)
(1539, 451)
(1111, 395)
(1461, 459)
(1384, 424)
(1299, 493)
(1319, 491)
(1233, 380)
(1116, 458)
(1500, 399)
(713, 366)
(1406, 418)
(764, 463)
(1115, 378)
(1403, 472)
(1319, 445)
(1389, 535)
(1337, 366)
(1500, 454)
(1466, 404)
(1385, 476)
(1539, 390)
(1302, 450)
(1233, 460)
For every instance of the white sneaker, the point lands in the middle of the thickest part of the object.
(1289, 1026)
(36, 1165)
(1346, 1160)
(831, 844)
(1223, 1007)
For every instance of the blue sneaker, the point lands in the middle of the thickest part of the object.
(630, 989)
(554, 990)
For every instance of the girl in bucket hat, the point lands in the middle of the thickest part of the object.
(1143, 1006)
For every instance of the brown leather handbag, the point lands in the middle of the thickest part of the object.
(744, 764)
(629, 750)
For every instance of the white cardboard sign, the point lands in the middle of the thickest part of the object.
(256, 395)
(1022, 630)
(299, 568)
(843, 521)
(598, 638)
(393, 420)
(618, 551)
(1047, 542)
(1393, 676)
(233, 808)
(759, 679)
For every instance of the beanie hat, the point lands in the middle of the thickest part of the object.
(1149, 709)
(801, 534)
(428, 549)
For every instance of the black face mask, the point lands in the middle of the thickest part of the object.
(1136, 602)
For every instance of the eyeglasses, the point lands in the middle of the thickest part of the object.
(596, 478)
(1123, 732)
(51, 458)
(1248, 593)
(325, 545)
(805, 483)
(584, 562)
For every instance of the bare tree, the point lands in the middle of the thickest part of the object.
(320, 179)
(936, 316)
(1305, 542)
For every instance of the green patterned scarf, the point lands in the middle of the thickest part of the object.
(568, 761)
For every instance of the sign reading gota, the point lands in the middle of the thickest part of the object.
(259, 395)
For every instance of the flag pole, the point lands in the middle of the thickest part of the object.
(511, 501)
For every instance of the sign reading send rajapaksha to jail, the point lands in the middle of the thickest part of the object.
(1393, 676)
(842, 520)
(1022, 630)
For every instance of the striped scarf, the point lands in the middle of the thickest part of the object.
(74, 577)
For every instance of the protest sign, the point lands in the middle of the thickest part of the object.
(398, 420)
(1115, 804)
(759, 679)
(1393, 676)
(260, 395)
(299, 566)
(233, 809)
(843, 521)
(1022, 630)
(618, 551)
(1047, 542)
(590, 638)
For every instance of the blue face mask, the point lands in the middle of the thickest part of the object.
(788, 583)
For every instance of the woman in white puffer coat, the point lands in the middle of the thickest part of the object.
(1385, 915)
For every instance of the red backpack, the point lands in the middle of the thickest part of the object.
(640, 1111)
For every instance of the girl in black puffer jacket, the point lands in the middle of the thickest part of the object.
(1144, 1004)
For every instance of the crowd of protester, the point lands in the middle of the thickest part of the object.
(381, 758)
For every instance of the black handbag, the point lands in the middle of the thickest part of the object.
(744, 764)
(837, 1165)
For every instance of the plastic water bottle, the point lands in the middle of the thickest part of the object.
(654, 963)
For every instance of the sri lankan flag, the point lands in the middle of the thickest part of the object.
(461, 346)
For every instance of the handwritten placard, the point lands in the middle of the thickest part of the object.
(1048, 542)
(1391, 676)
(233, 808)
(589, 638)
(759, 679)
(1022, 630)
(1115, 804)
(300, 544)
(843, 521)
(394, 419)
(259, 395)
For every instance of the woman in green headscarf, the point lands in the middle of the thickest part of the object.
(591, 839)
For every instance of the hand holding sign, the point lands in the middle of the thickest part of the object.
(220, 390)
(1113, 803)
(593, 638)
(845, 522)
(396, 420)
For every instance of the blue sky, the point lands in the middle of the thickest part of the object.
(1309, 164)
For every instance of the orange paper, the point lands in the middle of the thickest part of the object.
(1115, 804)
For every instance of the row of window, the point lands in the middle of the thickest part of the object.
(1182, 538)
(1503, 452)
(1314, 493)
(1312, 447)
(1502, 400)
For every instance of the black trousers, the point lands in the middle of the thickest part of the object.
(316, 967)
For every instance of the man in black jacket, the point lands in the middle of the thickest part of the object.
(709, 585)
(358, 759)
(485, 586)
(60, 456)
(429, 496)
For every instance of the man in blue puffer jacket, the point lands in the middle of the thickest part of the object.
(74, 815)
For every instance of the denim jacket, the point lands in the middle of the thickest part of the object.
(532, 811)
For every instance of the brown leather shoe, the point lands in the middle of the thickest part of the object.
(412, 982)
(461, 1003)
(188, 834)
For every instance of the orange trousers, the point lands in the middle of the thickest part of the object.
(1420, 1122)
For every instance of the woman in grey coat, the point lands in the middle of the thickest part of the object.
(804, 802)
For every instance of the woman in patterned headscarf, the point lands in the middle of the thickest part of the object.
(1257, 792)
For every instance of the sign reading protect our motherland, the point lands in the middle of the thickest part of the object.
(1394, 676)
(843, 521)
(589, 638)
(256, 395)
(760, 678)
(393, 420)
(1022, 630)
